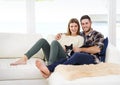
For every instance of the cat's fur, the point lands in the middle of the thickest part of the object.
(69, 50)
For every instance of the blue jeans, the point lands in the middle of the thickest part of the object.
(76, 59)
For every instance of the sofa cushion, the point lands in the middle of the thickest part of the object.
(14, 45)
(19, 72)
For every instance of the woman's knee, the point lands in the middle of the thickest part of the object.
(54, 43)
(42, 40)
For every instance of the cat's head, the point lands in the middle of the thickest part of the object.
(69, 47)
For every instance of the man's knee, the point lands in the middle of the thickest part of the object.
(77, 54)
(80, 55)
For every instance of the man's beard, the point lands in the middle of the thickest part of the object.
(88, 30)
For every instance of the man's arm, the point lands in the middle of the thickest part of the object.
(91, 50)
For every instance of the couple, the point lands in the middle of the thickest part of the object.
(55, 53)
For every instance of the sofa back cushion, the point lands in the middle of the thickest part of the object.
(14, 45)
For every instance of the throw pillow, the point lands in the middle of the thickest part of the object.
(103, 51)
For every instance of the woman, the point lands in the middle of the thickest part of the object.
(56, 50)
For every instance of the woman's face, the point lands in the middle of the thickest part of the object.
(73, 28)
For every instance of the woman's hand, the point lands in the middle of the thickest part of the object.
(58, 36)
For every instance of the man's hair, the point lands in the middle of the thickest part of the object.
(85, 17)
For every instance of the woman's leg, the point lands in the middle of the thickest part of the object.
(21, 61)
(42, 43)
(56, 52)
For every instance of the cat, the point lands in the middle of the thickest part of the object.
(69, 50)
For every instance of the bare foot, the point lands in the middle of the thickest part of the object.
(21, 61)
(43, 69)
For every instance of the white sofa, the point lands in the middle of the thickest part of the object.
(13, 46)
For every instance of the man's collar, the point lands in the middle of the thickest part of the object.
(89, 34)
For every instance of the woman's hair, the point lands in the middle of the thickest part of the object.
(73, 20)
(85, 17)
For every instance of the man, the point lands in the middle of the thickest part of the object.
(93, 42)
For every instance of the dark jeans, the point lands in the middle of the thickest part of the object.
(76, 59)
(53, 52)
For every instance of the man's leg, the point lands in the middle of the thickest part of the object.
(80, 59)
(46, 70)
(43, 68)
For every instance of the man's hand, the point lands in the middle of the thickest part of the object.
(58, 36)
(76, 49)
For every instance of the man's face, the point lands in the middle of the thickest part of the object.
(86, 25)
